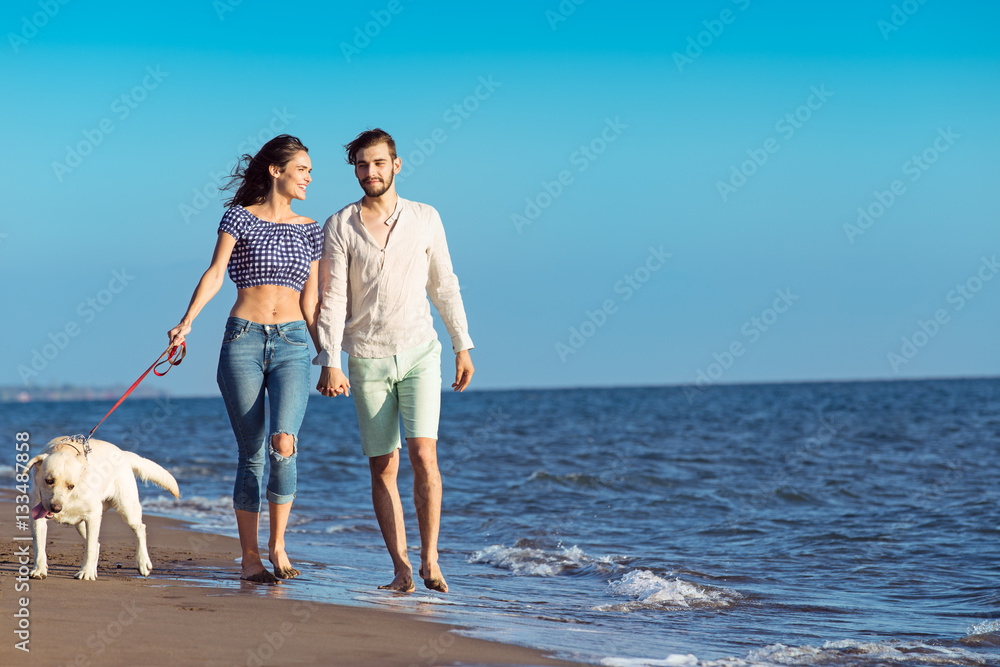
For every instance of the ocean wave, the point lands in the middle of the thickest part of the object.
(537, 562)
(672, 660)
(211, 513)
(851, 652)
(572, 480)
(982, 634)
(844, 653)
(355, 528)
(984, 628)
(649, 591)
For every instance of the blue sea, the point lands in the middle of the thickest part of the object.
(788, 524)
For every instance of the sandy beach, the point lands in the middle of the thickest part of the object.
(124, 619)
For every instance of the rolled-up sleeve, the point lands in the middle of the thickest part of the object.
(443, 289)
(333, 296)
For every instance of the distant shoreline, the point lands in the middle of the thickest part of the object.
(21, 394)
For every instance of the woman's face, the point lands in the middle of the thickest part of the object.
(291, 181)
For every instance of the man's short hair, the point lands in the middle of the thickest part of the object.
(367, 139)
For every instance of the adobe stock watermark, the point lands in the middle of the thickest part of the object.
(752, 330)
(811, 450)
(562, 13)
(581, 158)
(99, 641)
(901, 13)
(696, 44)
(786, 126)
(204, 195)
(454, 116)
(919, 503)
(915, 167)
(363, 35)
(30, 25)
(223, 7)
(479, 443)
(121, 108)
(141, 431)
(88, 309)
(278, 636)
(433, 650)
(958, 297)
(627, 286)
(619, 466)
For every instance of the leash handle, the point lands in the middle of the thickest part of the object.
(180, 350)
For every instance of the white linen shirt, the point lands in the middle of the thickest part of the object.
(373, 301)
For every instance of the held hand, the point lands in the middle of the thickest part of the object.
(463, 370)
(333, 382)
(176, 335)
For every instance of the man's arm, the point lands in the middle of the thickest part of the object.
(332, 312)
(443, 290)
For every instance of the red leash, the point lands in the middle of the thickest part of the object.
(180, 350)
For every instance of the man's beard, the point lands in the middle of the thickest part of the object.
(377, 189)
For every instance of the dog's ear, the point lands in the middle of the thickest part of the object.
(37, 459)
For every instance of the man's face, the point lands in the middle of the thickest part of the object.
(375, 169)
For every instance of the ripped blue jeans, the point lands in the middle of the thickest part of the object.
(258, 358)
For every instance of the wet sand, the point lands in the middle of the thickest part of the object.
(183, 615)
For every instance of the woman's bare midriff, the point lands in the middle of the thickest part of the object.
(267, 304)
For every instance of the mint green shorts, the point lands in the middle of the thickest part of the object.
(407, 385)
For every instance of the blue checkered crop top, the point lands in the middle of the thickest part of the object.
(270, 253)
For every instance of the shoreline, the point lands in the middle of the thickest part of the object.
(184, 613)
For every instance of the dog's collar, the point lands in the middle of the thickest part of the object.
(81, 440)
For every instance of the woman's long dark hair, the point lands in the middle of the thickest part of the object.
(251, 173)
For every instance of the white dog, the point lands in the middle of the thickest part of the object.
(73, 487)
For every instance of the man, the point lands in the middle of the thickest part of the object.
(382, 257)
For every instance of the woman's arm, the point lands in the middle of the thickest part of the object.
(207, 287)
(309, 302)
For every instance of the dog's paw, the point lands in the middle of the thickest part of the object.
(39, 573)
(145, 567)
(86, 575)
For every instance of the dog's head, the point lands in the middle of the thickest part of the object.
(56, 476)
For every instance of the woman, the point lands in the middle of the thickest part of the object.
(272, 256)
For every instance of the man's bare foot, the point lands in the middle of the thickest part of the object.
(433, 579)
(256, 574)
(403, 583)
(282, 566)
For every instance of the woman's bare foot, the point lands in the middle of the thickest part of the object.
(255, 573)
(433, 579)
(282, 566)
(403, 583)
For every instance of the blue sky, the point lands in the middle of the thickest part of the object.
(634, 193)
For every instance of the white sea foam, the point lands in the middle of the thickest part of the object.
(207, 513)
(991, 627)
(350, 528)
(672, 660)
(648, 591)
(845, 653)
(536, 562)
(851, 652)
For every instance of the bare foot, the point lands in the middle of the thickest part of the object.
(403, 583)
(256, 574)
(433, 579)
(282, 566)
